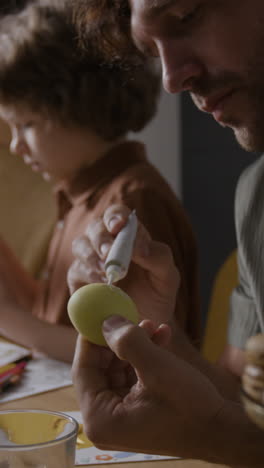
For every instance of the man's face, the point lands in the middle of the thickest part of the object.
(214, 50)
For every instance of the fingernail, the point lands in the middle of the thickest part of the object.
(114, 221)
(104, 248)
(113, 322)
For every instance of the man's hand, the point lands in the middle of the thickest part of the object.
(153, 278)
(138, 396)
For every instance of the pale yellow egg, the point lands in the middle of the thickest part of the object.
(90, 305)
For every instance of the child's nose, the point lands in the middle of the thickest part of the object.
(17, 145)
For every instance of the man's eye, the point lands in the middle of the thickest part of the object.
(188, 17)
(152, 53)
(147, 50)
(27, 125)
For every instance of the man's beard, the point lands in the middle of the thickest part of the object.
(251, 138)
(249, 132)
(248, 127)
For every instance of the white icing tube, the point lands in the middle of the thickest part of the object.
(119, 256)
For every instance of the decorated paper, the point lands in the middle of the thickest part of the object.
(41, 375)
(87, 454)
(10, 352)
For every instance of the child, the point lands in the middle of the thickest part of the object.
(69, 114)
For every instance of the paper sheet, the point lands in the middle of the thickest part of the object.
(41, 375)
(90, 455)
(10, 352)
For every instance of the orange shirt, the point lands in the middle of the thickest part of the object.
(124, 175)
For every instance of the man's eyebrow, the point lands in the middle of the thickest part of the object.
(155, 7)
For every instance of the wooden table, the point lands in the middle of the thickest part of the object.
(64, 400)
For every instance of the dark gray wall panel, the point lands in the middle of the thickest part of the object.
(211, 164)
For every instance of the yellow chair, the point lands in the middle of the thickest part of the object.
(27, 208)
(216, 327)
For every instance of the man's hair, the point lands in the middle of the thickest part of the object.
(43, 68)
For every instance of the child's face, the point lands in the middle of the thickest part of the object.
(45, 145)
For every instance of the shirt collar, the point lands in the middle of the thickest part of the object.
(91, 178)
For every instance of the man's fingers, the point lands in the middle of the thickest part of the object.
(81, 247)
(100, 239)
(81, 273)
(160, 336)
(157, 259)
(152, 256)
(88, 364)
(115, 217)
(133, 344)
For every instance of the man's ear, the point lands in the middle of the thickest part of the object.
(5, 135)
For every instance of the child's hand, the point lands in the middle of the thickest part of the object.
(17, 287)
(153, 279)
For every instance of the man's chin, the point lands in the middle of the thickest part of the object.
(248, 140)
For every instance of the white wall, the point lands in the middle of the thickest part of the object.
(162, 137)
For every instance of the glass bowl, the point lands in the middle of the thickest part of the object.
(37, 439)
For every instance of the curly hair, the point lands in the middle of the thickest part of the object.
(12, 6)
(43, 68)
(107, 24)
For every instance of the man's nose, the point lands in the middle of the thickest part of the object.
(180, 69)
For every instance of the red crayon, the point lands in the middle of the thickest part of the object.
(14, 370)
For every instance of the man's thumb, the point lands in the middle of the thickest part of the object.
(132, 344)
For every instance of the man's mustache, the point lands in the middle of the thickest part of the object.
(205, 87)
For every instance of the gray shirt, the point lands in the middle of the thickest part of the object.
(247, 300)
